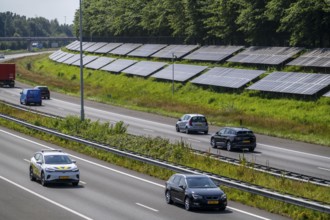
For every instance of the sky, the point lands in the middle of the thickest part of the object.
(62, 10)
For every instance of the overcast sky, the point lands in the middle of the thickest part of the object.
(62, 10)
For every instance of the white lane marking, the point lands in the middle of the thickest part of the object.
(193, 140)
(298, 152)
(125, 174)
(148, 130)
(322, 168)
(44, 198)
(26, 160)
(147, 207)
(248, 213)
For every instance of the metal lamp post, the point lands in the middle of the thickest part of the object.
(82, 113)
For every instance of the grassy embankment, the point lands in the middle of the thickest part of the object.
(178, 153)
(307, 121)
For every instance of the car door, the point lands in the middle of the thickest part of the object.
(221, 137)
(182, 123)
(176, 190)
(38, 164)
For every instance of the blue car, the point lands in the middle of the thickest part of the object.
(29, 96)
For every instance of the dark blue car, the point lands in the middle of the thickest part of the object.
(31, 96)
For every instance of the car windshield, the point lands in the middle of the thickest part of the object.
(57, 159)
(200, 182)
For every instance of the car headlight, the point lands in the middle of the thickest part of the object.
(75, 170)
(196, 196)
(223, 196)
(49, 169)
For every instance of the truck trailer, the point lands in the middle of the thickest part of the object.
(7, 74)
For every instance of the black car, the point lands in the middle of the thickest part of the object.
(234, 138)
(194, 191)
(44, 91)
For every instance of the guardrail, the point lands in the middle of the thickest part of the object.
(315, 205)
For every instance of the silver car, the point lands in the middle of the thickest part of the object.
(192, 123)
(53, 166)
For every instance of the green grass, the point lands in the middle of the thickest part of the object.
(178, 153)
(287, 117)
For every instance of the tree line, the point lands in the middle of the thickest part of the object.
(229, 22)
(14, 25)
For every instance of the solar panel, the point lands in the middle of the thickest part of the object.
(146, 50)
(319, 57)
(65, 57)
(124, 49)
(227, 77)
(87, 45)
(327, 94)
(95, 47)
(265, 55)
(144, 68)
(72, 59)
(99, 62)
(118, 66)
(86, 60)
(182, 72)
(77, 47)
(213, 53)
(107, 48)
(178, 50)
(73, 44)
(294, 83)
(55, 54)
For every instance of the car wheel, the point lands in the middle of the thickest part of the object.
(187, 131)
(206, 132)
(177, 128)
(187, 204)
(32, 178)
(222, 208)
(75, 183)
(213, 144)
(251, 149)
(168, 197)
(43, 180)
(228, 145)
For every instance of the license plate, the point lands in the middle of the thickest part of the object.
(213, 202)
(64, 177)
(246, 141)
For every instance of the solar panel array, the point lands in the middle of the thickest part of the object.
(95, 47)
(77, 46)
(213, 53)
(144, 68)
(182, 72)
(319, 57)
(107, 48)
(99, 62)
(265, 55)
(125, 49)
(55, 54)
(146, 50)
(118, 66)
(86, 60)
(293, 83)
(227, 77)
(178, 50)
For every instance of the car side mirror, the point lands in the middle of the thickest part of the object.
(182, 186)
(179, 119)
(21, 93)
(73, 161)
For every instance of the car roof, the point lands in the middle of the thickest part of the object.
(43, 87)
(191, 175)
(51, 152)
(192, 115)
(238, 128)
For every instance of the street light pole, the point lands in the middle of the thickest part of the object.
(82, 113)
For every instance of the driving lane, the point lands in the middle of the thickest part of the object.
(284, 154)
(105, 191)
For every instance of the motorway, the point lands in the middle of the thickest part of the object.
(308, 159)
(104, 192)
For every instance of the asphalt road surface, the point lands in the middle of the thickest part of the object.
(104, 192)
